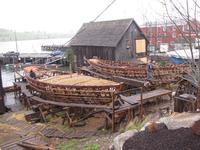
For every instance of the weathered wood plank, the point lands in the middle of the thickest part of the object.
(69, 104)
(146, 96)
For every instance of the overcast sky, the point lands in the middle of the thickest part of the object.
(68, 15)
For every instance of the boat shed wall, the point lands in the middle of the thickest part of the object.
(126, 48)
(92, 51)
(112, 40)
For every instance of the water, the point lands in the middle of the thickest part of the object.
(7, 76)
(27, 46)
(8, 79)
(30, 46)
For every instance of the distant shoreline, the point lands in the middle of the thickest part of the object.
(31, 46)
(9, 35)
(36, 39)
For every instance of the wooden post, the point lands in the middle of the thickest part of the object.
(141, 105)
(198, 98)
(2, 105)
(171, 103)
(113, 112)
(130, 114)
(42, 114)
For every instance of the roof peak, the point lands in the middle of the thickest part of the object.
(102, 33)
(125, 19)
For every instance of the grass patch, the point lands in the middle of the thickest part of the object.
(61, 114)
(92, 147)
(70, 145)
(135, 124)
(76, 145)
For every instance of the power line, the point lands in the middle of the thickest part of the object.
(99, 15)
(105, 10)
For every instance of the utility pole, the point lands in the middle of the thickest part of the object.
(16, 48)
(2, 105)
(16, 42)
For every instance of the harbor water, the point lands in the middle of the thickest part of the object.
(30, 46)
(7, 76)
(26, 46)
(8, 79)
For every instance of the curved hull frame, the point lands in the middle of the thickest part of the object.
(137, 71)
(82, 94)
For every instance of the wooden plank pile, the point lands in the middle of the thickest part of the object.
(30, 142)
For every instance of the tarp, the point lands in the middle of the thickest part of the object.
(175, 60)
(184, 54)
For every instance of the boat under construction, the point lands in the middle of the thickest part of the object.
(71, 88)
(81, 96)
(137, 70)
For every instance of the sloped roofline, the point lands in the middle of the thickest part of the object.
(125, 30)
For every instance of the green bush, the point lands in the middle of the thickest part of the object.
(162, 63)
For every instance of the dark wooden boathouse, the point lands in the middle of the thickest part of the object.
(112, 40)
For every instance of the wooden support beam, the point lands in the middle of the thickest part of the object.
(67, 116)
(113, 113)
(130, 81)
(35, 98)
(27, 103)
(141, 104)
(2, 94)
(42, 114)
(130, 114)
(108, 118)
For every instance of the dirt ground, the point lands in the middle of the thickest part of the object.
(14, 126)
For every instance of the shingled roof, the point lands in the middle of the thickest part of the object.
(104, 33)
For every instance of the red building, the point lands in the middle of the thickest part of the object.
(170, 34)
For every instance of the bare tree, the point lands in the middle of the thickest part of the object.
(187, 11)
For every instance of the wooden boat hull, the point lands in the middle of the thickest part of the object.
(74, 88)
(136, 70)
